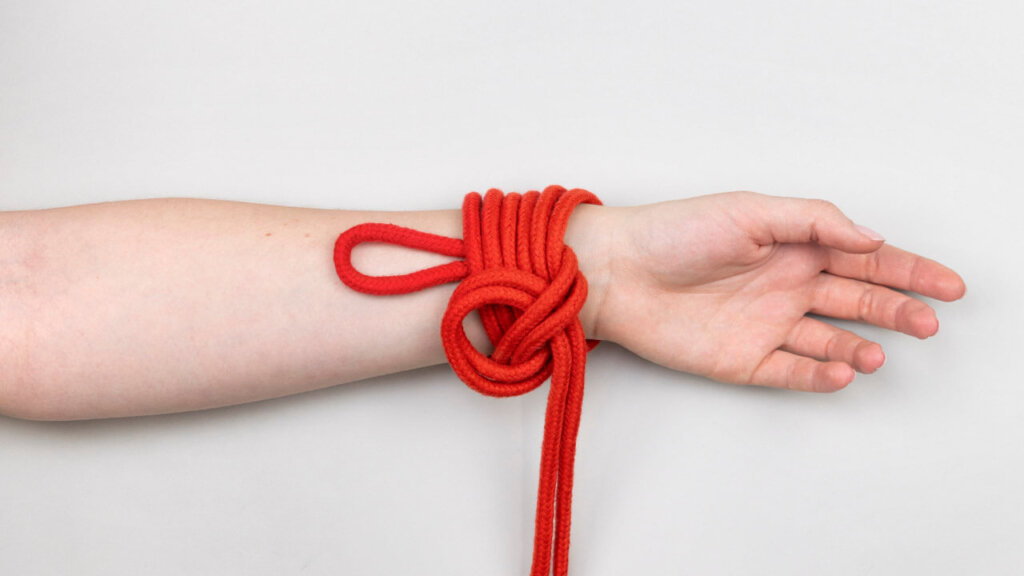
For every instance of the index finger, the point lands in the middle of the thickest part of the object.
(890, 266)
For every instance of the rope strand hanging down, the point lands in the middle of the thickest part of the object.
(525, 283)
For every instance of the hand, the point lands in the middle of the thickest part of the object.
(722, 286)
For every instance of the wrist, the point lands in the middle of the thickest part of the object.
(590, 235)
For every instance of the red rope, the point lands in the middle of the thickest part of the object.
(526, 285)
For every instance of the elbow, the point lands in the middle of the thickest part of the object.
(32, 386)
(23, 393)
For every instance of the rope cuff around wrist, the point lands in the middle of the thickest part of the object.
(525, 283)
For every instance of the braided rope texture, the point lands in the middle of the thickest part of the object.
(525, 283)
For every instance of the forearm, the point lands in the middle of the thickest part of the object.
(167, 305)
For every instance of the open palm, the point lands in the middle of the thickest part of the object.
(722, 286)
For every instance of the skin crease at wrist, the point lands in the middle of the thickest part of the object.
(590, 234)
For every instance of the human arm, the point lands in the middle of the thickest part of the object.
(166, 305)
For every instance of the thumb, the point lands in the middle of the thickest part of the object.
(798, 220)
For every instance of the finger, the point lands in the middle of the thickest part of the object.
(855, 300)
(782, 369)
(799, 220)
(899, 269)
(817, 339)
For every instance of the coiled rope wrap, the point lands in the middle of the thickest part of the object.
(526, 285)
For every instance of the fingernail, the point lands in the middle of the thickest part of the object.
(870, 233)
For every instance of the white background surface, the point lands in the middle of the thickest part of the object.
(908, 115)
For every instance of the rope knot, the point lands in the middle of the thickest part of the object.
(524, 315)
(526, 285)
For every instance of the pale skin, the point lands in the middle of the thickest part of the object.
(157, 306)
